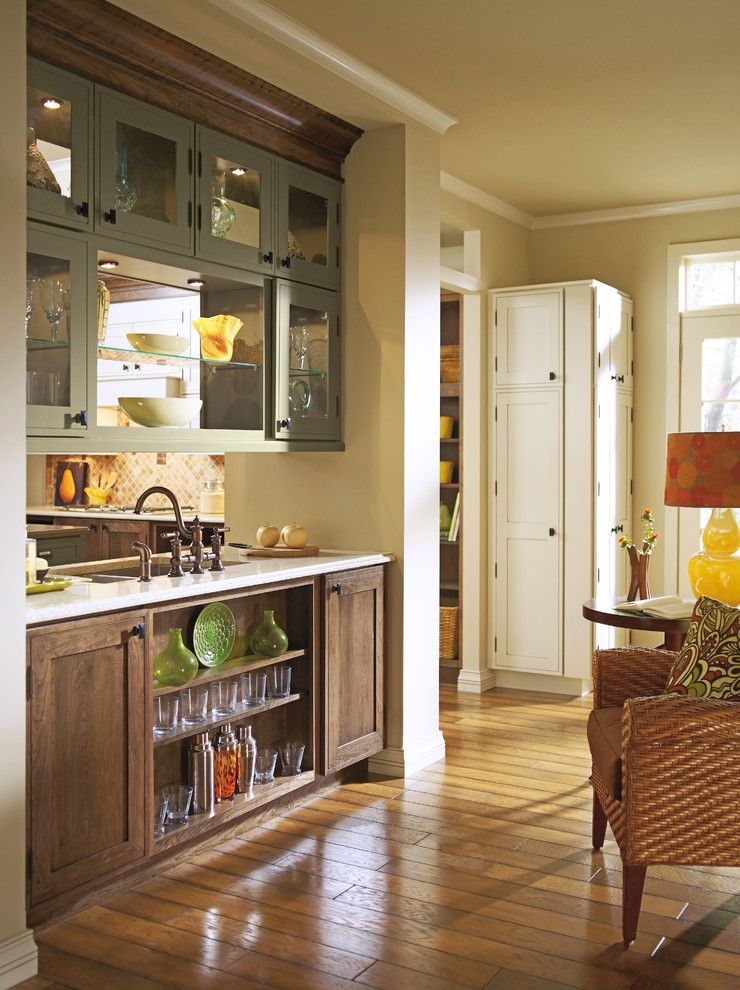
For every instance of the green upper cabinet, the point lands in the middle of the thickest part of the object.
(58, 146)
(307, 247)
(56, 330)
(145, 173)
(307, 374)
(235, 204)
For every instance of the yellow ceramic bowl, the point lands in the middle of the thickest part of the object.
(446, 424)
(154, 412)
(446, 469)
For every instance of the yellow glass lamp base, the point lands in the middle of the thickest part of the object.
(715, 571)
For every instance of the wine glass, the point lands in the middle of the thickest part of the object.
(32, 286)
(52, 300)
(299, 342)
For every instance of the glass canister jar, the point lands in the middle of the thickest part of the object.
(212, 498)
(30, 561)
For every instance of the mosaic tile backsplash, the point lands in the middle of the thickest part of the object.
(185, 474)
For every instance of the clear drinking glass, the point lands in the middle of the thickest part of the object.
(194, 705)
(278, 681)
(53, 302)
(166, 707)
(178, 798)
(32, 289)
(252, 687)
(223, 698)
(160, 814)
(264, 765)
(291, 756)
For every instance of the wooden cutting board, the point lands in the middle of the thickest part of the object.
(306, 551)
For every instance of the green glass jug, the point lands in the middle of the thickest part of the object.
(176, 664)
(268, 640)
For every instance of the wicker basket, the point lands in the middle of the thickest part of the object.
(449, 368)
(448, 615)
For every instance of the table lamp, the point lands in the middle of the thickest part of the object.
(703, 471)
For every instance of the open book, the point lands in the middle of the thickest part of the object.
(663, 607)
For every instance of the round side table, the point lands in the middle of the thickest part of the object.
(602, 610)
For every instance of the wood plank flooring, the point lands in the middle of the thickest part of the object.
(476, 874)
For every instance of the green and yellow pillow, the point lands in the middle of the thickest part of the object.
(708, 665)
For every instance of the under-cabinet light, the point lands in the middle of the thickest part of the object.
(108, 263)
(197, 283)
(51, 104)
(238, 170)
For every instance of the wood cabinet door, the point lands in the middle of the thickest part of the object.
(353, 666)
(529, 338)
(117, 537)
(529, 539)
(86, 726)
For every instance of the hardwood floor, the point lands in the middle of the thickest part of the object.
(476, 873)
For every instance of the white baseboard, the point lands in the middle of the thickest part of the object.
(18, 959)
(476, 681)
(404, 762)
(572, 686)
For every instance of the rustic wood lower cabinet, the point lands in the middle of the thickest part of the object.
(94, 764)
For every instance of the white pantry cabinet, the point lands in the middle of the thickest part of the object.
(561, 461)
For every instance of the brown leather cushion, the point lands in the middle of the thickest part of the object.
(604, 731)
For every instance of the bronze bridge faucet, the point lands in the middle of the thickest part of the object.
(192, 533)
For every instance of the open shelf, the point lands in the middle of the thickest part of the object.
(261, 794)
(43, 344)
(306, 373)
(449, 586)
(452, 485)
(449, 543)
(231, 668)
(449, 439)
(240, 715)
(449, 389)
(164, 360)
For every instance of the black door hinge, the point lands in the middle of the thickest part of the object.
(495, 413)
(190, 161)
(29, 862)
(200, 164)
(495, 570)
(495, 643)
(495, 317)
(29, 682)
(337, 405)
(139, 630)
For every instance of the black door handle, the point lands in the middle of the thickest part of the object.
(553, 376)
(267, 258)
(551, 531)
(285, 262)
(83, 209)
(336, 589)
(109, 216)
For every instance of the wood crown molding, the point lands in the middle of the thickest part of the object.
(110, 46)
(302, 40)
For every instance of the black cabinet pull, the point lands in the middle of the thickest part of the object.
(267, 258)
(139, 630)
(617, 378)
(553, 376)
(109, 216)
(336, 589)
(551, 531)
(80, 417)
(617, 529)
(283, 424)
(285, 262)
(83, 209)
(200, 216)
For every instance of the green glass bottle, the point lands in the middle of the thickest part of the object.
(268, 640)
(176, 664)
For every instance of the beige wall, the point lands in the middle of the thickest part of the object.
(632, 256)
(505, 246)
(12, 399)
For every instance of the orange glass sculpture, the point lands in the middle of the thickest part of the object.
(217, 334)
(703, 471)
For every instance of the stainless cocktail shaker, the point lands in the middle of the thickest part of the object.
(200, 768)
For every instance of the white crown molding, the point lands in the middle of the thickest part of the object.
(313, 46)
(637, 212)
(464, 190)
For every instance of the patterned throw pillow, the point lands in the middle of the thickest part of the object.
(708, 665)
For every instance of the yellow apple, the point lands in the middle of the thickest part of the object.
(267, 535)
(294, 536)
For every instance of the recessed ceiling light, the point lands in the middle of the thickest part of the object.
(238, 170)
(108, 263)
(51, 104)
(197, 283)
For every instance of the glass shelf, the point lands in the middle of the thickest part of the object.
(41, 344)
(167, 360)
(306, 373)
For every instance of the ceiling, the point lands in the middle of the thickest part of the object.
(563, 105)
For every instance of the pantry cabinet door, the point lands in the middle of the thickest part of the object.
(353, 673)
(528, 566)
(86, 726)
(528, 329)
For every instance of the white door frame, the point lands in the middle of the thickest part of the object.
(677, 253)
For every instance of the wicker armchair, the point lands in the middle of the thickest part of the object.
(671, 790)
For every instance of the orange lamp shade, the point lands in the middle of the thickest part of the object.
(703, 470)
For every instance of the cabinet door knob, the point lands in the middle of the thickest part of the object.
(551, 531)
(104, 527)
(83, 209)
(139, 630)
(617, 529)
(336, 588)
(267, 258)
(109, 216)
(80, 417)
(283, 424)
(553, 376)
(285, 262)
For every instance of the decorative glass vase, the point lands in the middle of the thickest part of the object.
(268, 640)
(176, 664)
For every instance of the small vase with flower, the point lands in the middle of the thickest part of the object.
(639, 559)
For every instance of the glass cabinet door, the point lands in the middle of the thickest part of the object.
(55, 325)
(308, 226)
(58, 146)
(145, 173)
(307, 389)
(234, 201)
(180, 352)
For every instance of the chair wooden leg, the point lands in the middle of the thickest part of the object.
(598, 824)
(633, 881)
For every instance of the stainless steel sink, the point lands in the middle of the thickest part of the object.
(131, 572)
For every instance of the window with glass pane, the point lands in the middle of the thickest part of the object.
(49, 142)
(309, 363)
(712, 283)
(47, 323)
(146, 170)
(235, 204)
(308, 226)
(720, 384)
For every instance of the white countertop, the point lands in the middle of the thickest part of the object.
(81, 600)
(90, 512)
